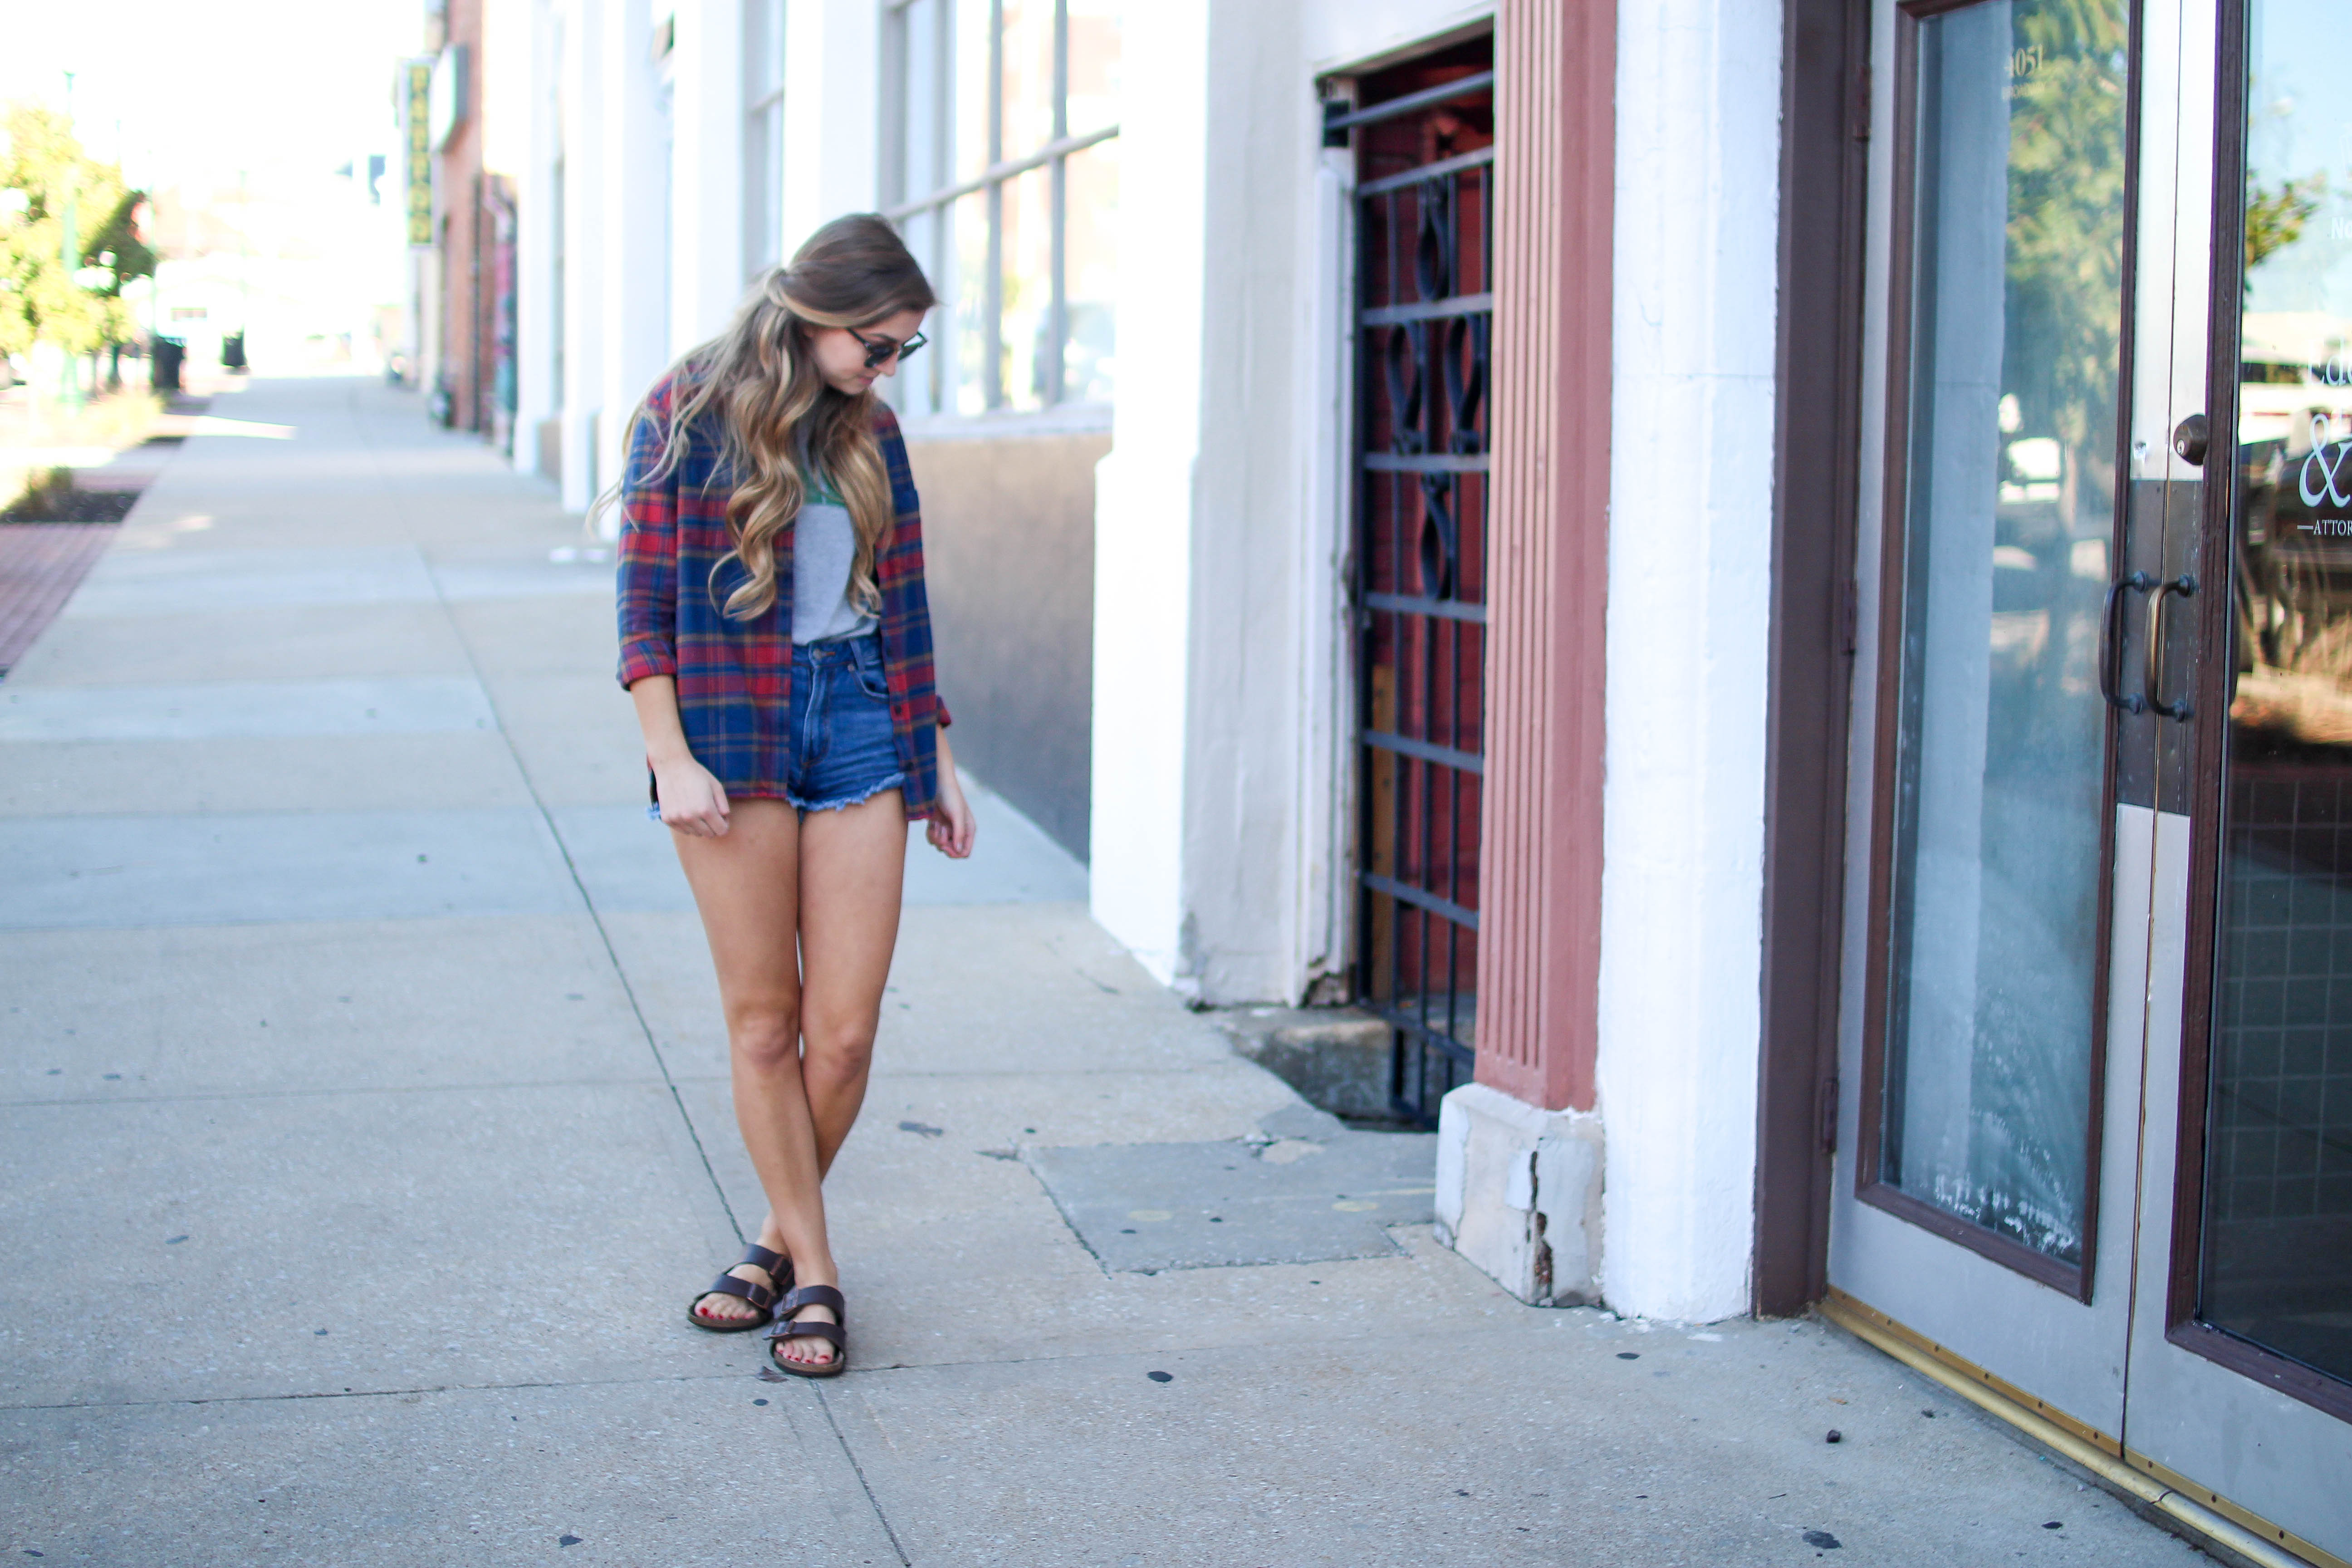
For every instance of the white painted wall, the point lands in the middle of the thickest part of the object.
(529, 104)
(1689, 600)
(507, 27)
(1343, 35)
(1242, 821)
(832, 69)
(706, 171)
(1323, 808)
(1145, 496)
(652, 238)
(580, 74)
(633, 177)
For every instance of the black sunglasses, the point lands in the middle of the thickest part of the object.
(879, 350)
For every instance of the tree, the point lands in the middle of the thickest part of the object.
(2275, 219)
(42, 297)
(2066, 218)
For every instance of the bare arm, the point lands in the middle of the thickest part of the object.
(952, 828)
(693, 801)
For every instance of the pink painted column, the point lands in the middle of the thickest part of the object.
(1539, 891)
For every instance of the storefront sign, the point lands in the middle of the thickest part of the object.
(418, 123)
(2326, 476)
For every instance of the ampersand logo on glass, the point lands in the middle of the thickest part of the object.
(2326, 476)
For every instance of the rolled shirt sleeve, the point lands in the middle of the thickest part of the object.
(648, 553)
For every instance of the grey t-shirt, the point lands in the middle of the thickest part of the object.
(825, 546)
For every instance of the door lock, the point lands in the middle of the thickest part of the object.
(2190, 439)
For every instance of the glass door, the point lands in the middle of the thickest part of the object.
(2099, 1149)
(1986, 1187)
(2241, 1364)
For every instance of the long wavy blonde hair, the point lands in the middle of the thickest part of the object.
(780, 421)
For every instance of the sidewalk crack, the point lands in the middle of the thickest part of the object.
(859, 1471)
(595, 916)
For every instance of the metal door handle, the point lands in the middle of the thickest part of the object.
(2186, 586)
(2111, 644)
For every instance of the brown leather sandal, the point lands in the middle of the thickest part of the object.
(836, 1335)
(763, 1297)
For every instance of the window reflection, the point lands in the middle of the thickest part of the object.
(1028, 372)
(1030, 110)
(972, 103)
(967, 224)
(1094, 65)
(2016, 313)
(1090, 264)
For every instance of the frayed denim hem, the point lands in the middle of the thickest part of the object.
(896, 781)
(842, 803)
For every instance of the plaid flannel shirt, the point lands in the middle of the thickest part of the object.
(734, 677)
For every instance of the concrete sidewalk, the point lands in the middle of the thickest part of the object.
(366, 1130)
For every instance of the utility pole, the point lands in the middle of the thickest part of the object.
(72, 258)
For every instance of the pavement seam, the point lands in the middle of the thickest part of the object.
(1355, 1341)
(327, 1091)
(859, 1471)
(1069, 1219)
(375, 1393)
(571, 868)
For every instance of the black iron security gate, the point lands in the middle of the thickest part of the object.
(1424, 142)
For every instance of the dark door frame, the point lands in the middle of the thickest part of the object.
(1824, 169)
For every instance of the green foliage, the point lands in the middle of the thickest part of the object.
(2274, 219)
(2066, 214)
(41, 163)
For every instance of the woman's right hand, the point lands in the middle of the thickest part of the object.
(693, 801)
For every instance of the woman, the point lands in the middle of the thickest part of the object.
(777, 643)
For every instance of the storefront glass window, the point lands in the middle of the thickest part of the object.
(1090, 272)
(763, 134)
(998, 167)
(2277, 1264)
(2000, 781)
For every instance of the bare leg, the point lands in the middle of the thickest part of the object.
(800, 1052)
(852, 864)
(746, 886)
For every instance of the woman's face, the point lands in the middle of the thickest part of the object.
(841, 358)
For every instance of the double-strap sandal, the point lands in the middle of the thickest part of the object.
(762, 1297)
(834, 1335)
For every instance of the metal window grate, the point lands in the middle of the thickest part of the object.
(1425, 306)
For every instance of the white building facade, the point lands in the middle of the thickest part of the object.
(1419, 498)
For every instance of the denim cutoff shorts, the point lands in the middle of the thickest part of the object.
(844, 749)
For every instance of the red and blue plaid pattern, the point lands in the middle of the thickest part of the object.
(734, 677)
